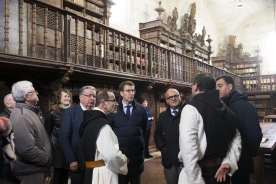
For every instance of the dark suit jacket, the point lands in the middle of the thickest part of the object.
(69, 133)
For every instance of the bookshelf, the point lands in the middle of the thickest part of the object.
(158, 32)
(263, 102)
(91, 9)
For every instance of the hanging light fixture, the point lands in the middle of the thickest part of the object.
(240, 5)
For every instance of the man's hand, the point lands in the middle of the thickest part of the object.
(74, 166)
(222, 172)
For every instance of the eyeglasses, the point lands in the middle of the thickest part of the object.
(114, 100)
(130, 90)
(33, 92)
(89, 96)
(172, 97)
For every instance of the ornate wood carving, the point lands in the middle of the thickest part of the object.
(20, 51)
(6, 27)
(45, 33)
(107, 49)
(77, 41)
(100, 46)
(33, 54)
(56, 35)
(93, 45)
(65, 78)
(85, 42)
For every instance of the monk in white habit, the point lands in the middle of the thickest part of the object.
(99, 145)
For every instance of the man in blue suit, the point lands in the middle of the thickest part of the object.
(130, 126)
(69, 133)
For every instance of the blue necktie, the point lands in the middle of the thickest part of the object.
(128, 111)
(175, 112)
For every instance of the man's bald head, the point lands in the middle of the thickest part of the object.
(9, 102)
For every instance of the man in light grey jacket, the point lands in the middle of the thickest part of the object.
(32, 145)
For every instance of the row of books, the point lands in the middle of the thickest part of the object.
(244, 66)
(261, 104)
(258, 96)
(247, 70)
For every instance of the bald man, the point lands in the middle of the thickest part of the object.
(166, 135)
(9, 105)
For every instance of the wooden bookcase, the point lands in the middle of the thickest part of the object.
(95, 10)
(264, 103)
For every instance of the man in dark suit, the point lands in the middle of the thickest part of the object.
(130, 126)
(69, 133)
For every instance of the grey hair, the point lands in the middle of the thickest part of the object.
(20, 89)
(86, 87)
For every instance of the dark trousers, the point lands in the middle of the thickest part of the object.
(147, 142)
(208, 173)
(172, 174)
(60, 176)
(77, 177)
(129, 179)
(240, 177)
(7, 175)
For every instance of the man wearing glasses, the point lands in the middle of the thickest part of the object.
(99, 144)
(130, 126)
(69, 133)
(166, 135)
(32, 145)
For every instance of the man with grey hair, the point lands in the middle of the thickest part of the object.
(69, 133)
(32, 145)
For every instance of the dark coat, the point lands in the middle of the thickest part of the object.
(32, 145)
(69, 134)
(52, 125)
(6, 113)
(166, 136)
(149, 114)
(249, 127)
(131, 135)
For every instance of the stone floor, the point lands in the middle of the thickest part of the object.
(153, 173)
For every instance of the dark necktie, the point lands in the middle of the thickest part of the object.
(174, 112)
(128, 111)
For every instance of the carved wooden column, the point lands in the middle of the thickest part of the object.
(93, 44)
(84, 45)
(77, 41)
(100, 46)
(150, 53)
(56, 36)
(125, 54)
(120, 53)
(45, 33)
(130, 55)
(20, 50)
(33, 54)
(141, 64)
(107, 49)
(135, 57)
(146, 60)
(113, 48)
(169, 65)
(67, 49)
(6, 26)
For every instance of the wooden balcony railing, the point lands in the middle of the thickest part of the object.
(63, 37)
